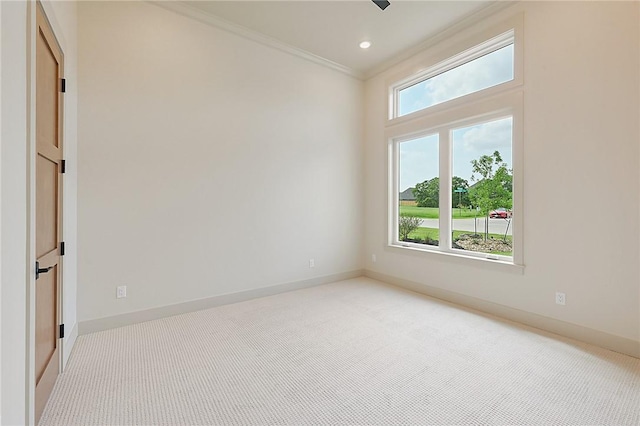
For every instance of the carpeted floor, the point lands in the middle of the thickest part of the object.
(352, 352)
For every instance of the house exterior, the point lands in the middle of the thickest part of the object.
(407, 195)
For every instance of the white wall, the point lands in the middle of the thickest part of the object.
(581, 181)
(1, 365)
(17, 211)
(209, 164)
(13, 158)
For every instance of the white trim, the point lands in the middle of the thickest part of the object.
(506, 87)
(1, 210)
(451, 31)
(505, 99)
(100, 324)
(445, 174)
(393, 198)
(457, 258)
(489, 46)
(69, 343)
(517, 163)
(572, 331)
(215, 21)
(494, 108)
(464, 48)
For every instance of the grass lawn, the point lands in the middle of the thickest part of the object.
(434, 233)
(434, 212)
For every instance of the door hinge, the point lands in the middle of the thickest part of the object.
(63, 166)
(62, 249)
(62, 331)
(63, 85)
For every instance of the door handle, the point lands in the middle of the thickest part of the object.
(40, 270)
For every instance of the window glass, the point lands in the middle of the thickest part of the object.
(418, 180)
(454, 183)
(482, 185)
(481, 73)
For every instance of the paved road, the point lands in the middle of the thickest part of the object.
(496, 226)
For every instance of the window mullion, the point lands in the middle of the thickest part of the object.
(445, 189)
(394, 191)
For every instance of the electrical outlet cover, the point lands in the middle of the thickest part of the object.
(121, 292)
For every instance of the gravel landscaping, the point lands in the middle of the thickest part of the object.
(475, 242)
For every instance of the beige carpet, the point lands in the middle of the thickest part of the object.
(352, 352)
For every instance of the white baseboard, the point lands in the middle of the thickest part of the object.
(100, 324)
(67, 346)
(565, 329)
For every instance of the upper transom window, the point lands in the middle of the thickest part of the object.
(481, 67)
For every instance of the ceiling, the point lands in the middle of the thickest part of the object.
(333, 29)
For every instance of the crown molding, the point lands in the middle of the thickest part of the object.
(215, 21)
(467, 21)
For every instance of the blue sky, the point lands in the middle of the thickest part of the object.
(419, 157)
(481, 73)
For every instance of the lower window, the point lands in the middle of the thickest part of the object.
(453, 189)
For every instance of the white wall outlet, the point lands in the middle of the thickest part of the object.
(312, 263)
(121, 292)
(374, 259)
(561, 298)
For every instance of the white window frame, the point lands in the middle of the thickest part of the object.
(453, 55)
(501, 101)
(470, 55)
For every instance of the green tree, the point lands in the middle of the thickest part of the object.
(459, 199)
(427, 193)
(494, 187)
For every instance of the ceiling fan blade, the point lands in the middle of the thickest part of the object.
(381, 4)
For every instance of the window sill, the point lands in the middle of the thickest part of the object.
(459, 259)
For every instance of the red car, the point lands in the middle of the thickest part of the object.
(500, 213)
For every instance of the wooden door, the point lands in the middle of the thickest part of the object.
(49, 69)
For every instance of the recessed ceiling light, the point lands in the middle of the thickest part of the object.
(365, 45)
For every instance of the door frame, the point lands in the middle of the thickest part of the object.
(32, 152)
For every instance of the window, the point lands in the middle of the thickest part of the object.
(482, 185)
(418, 173)
(486, 65)
(454, 172)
